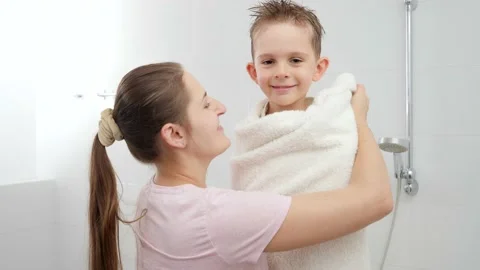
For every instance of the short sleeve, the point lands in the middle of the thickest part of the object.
(241, 224)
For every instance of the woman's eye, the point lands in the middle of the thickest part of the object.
(207, 105)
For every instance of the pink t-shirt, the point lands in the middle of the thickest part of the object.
(187, 227)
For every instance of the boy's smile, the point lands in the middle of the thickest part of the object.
(285, 64)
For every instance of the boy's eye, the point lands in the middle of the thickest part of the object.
(267, 62)
(296, 60)
(207, 105)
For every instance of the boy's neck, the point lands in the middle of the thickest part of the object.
(299, 105)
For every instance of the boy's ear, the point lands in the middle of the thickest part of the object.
(252, 71)
(322, 66)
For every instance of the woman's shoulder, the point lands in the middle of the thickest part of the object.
(216, 202)
(227, 204)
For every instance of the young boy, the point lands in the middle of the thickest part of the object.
(288, 132)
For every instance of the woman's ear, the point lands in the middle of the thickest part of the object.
(174, 135)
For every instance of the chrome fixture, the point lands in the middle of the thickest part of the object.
(397, 147)
(104, 95)
(394, 145)
(410, 5)
(411, 186)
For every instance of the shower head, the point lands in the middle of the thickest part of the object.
(393, 145)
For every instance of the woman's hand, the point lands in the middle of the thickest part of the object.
(360, 104)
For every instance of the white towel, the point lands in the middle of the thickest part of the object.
(293, 152)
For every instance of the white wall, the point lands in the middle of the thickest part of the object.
(50, 51)
(440, 228)
(88, 45)
(27, 227)
(17, 94)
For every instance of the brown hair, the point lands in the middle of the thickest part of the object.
(286, 11)
(147, 98)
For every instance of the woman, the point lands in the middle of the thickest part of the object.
(167, 119)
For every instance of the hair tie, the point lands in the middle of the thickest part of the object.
(108, 130)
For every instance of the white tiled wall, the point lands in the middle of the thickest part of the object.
(440, 227)
(436, 230)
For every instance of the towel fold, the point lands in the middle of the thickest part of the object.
(293, 152)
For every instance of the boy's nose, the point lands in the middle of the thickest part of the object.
(281, 72)
(283, 75)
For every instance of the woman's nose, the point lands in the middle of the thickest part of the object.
(221, 109)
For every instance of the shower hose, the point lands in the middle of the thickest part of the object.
(392, 225)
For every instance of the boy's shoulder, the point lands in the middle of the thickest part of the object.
(262, 108)
(258, 110)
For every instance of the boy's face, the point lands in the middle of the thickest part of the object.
(285, 64)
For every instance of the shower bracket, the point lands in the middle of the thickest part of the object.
(413, 3)
(402, 172)
(411, 185)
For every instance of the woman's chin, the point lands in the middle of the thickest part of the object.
(226, 143)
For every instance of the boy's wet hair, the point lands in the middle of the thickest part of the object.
(286, 11)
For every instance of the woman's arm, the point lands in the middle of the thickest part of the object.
(318, 217)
